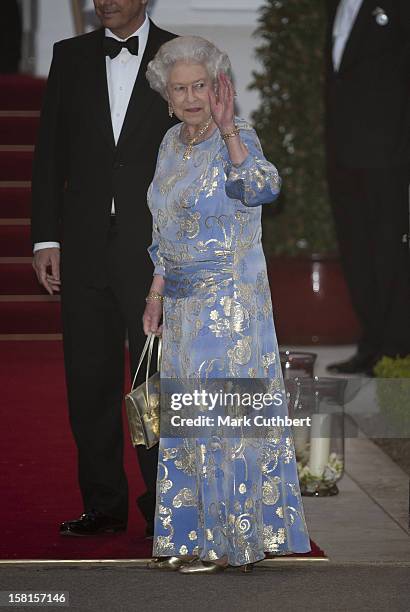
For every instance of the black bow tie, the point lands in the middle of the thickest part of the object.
(112, 46)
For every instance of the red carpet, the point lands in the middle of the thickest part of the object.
(21, 92)
(18, 279)
(15, 202)
(15, 165)
(30, 317)
(19, 129)
(15, 239)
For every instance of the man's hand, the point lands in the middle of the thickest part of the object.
(44, 261)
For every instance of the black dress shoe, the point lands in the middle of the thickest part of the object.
(358, 364)
(90, 524)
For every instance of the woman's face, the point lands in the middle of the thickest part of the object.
(188, 92)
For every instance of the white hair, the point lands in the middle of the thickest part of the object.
(189, 49)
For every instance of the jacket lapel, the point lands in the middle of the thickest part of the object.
(96, 75)
(142, 94)
(356, 34)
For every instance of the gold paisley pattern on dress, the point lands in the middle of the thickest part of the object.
(164, 483)
(164, 546)
(240, 354)
(185, 497)
(185, 460)
(273, 539)
(268, 359)
(220, 325)
(270, 491)
(209, 535)
(169, 453)
(189, 226)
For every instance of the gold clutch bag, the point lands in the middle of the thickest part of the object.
(143, 402)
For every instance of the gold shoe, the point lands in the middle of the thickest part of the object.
(247, 568)
(171, 564)
(201, 567)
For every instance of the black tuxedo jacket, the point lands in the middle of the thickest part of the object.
(78, 169)
(368, 99)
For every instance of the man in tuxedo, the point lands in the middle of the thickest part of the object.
(368, 153)
(100, 131)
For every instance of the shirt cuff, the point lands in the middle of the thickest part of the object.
(45, 245)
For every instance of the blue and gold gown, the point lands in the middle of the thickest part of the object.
(218, 497)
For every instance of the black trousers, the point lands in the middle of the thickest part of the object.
(95, 325)
(371, 213)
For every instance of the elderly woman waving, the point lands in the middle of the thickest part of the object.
(220, 501)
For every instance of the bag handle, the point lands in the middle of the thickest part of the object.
(148, 346)
(150, 349)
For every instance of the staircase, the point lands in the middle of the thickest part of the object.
(27, 312)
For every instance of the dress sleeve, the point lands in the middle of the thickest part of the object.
(154, 253)
(256, 181)
(153, 249)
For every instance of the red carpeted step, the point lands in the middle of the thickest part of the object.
(21, 92)
(29, 317)
(15, 202)
(19, 279)
(18, 129)
(15, 241)
(15, 164)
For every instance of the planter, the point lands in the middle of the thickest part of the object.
(311, 303)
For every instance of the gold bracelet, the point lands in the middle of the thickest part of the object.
(154, 295)
(234, 132)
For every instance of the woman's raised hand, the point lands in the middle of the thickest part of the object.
(222, 104)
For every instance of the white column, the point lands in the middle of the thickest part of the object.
(54, 23)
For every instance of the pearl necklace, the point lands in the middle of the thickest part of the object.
(194, 140)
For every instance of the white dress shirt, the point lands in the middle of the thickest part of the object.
(345, 17)
(122, 72)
